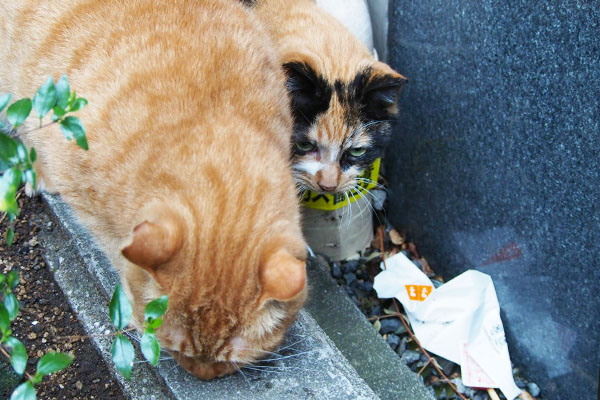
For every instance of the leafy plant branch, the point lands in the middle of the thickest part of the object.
(16, 161)
(122, 350)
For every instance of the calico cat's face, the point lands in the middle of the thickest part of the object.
(340, 126)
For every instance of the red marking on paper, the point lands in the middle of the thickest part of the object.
(471, 372)
(507, 253)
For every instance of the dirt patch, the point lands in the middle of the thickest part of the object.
(46, 322)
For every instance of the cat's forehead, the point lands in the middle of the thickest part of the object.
(329, 132)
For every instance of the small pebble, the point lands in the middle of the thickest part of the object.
(393, 341)
(521, 383)
(410, 357)
(350, 266)
(378, 199)
(402, 347)
(533, 389)
(390, 325)
(375, 311)
(459, 385)
(366, 286)
(336, 271)
(350, 278)
(480, 396)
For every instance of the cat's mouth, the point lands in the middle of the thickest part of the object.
(202, 369)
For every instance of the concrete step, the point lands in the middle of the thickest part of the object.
(330, 352)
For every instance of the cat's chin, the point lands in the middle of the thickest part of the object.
(204, 370)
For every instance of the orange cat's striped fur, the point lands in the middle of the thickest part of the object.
(343, 99)
(187, 183)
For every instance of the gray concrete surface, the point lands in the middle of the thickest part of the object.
(358, 341)
(495, 166)
(310, 365)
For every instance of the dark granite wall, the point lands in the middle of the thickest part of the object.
(495, 166)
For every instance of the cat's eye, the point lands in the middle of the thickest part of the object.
(357, 151)
(305, 146)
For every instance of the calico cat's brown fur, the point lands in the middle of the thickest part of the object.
(187, 182)
(343, 99)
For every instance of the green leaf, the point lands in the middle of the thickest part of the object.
(4, 99)
(119, 308)
(12, 306)
(45, 98)
(18, 355)
(51, 363)
(72, 127)
(156, 308)
(25, 391)
(78, 104)
(9, 236)
(18, 112)
(377, 325)
(8, 150)
(72, 97)
(58, 113)
(4, 319)
(22, 152)
(123, 355)
(9, 184)
(154, 323)
(150, 348)
(32, 155)
(13, 279)
(63, 91)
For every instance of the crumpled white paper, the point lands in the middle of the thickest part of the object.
(459, 321)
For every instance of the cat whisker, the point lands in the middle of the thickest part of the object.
(133, 336)
(247, 368)
(258, 350)
(237, 368)
(357, 203)
(289, 356)
(371, 123)
(349, 211)
(372, 182)
(303, 115)
(293, 344)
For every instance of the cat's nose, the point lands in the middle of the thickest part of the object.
(327, 188)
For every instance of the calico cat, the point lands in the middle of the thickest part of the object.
(187, 183)
(342, 98)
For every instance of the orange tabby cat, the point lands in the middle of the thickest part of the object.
(342, 98)
(187, 184)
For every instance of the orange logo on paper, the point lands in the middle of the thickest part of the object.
(418, 292)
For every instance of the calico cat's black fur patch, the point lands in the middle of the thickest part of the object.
(249, 3)
(368, 97)
(310, 94)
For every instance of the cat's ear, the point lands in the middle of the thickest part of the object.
(154, 243)
(380, 95)
(310, 93)
(282, 276)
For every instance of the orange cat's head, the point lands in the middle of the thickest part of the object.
(342, 98)
(223, 318)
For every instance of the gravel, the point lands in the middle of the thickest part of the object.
(46, 322)
(533, 389)
(410, 357)
(389, 325)
(356, 276)
(393, 341)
